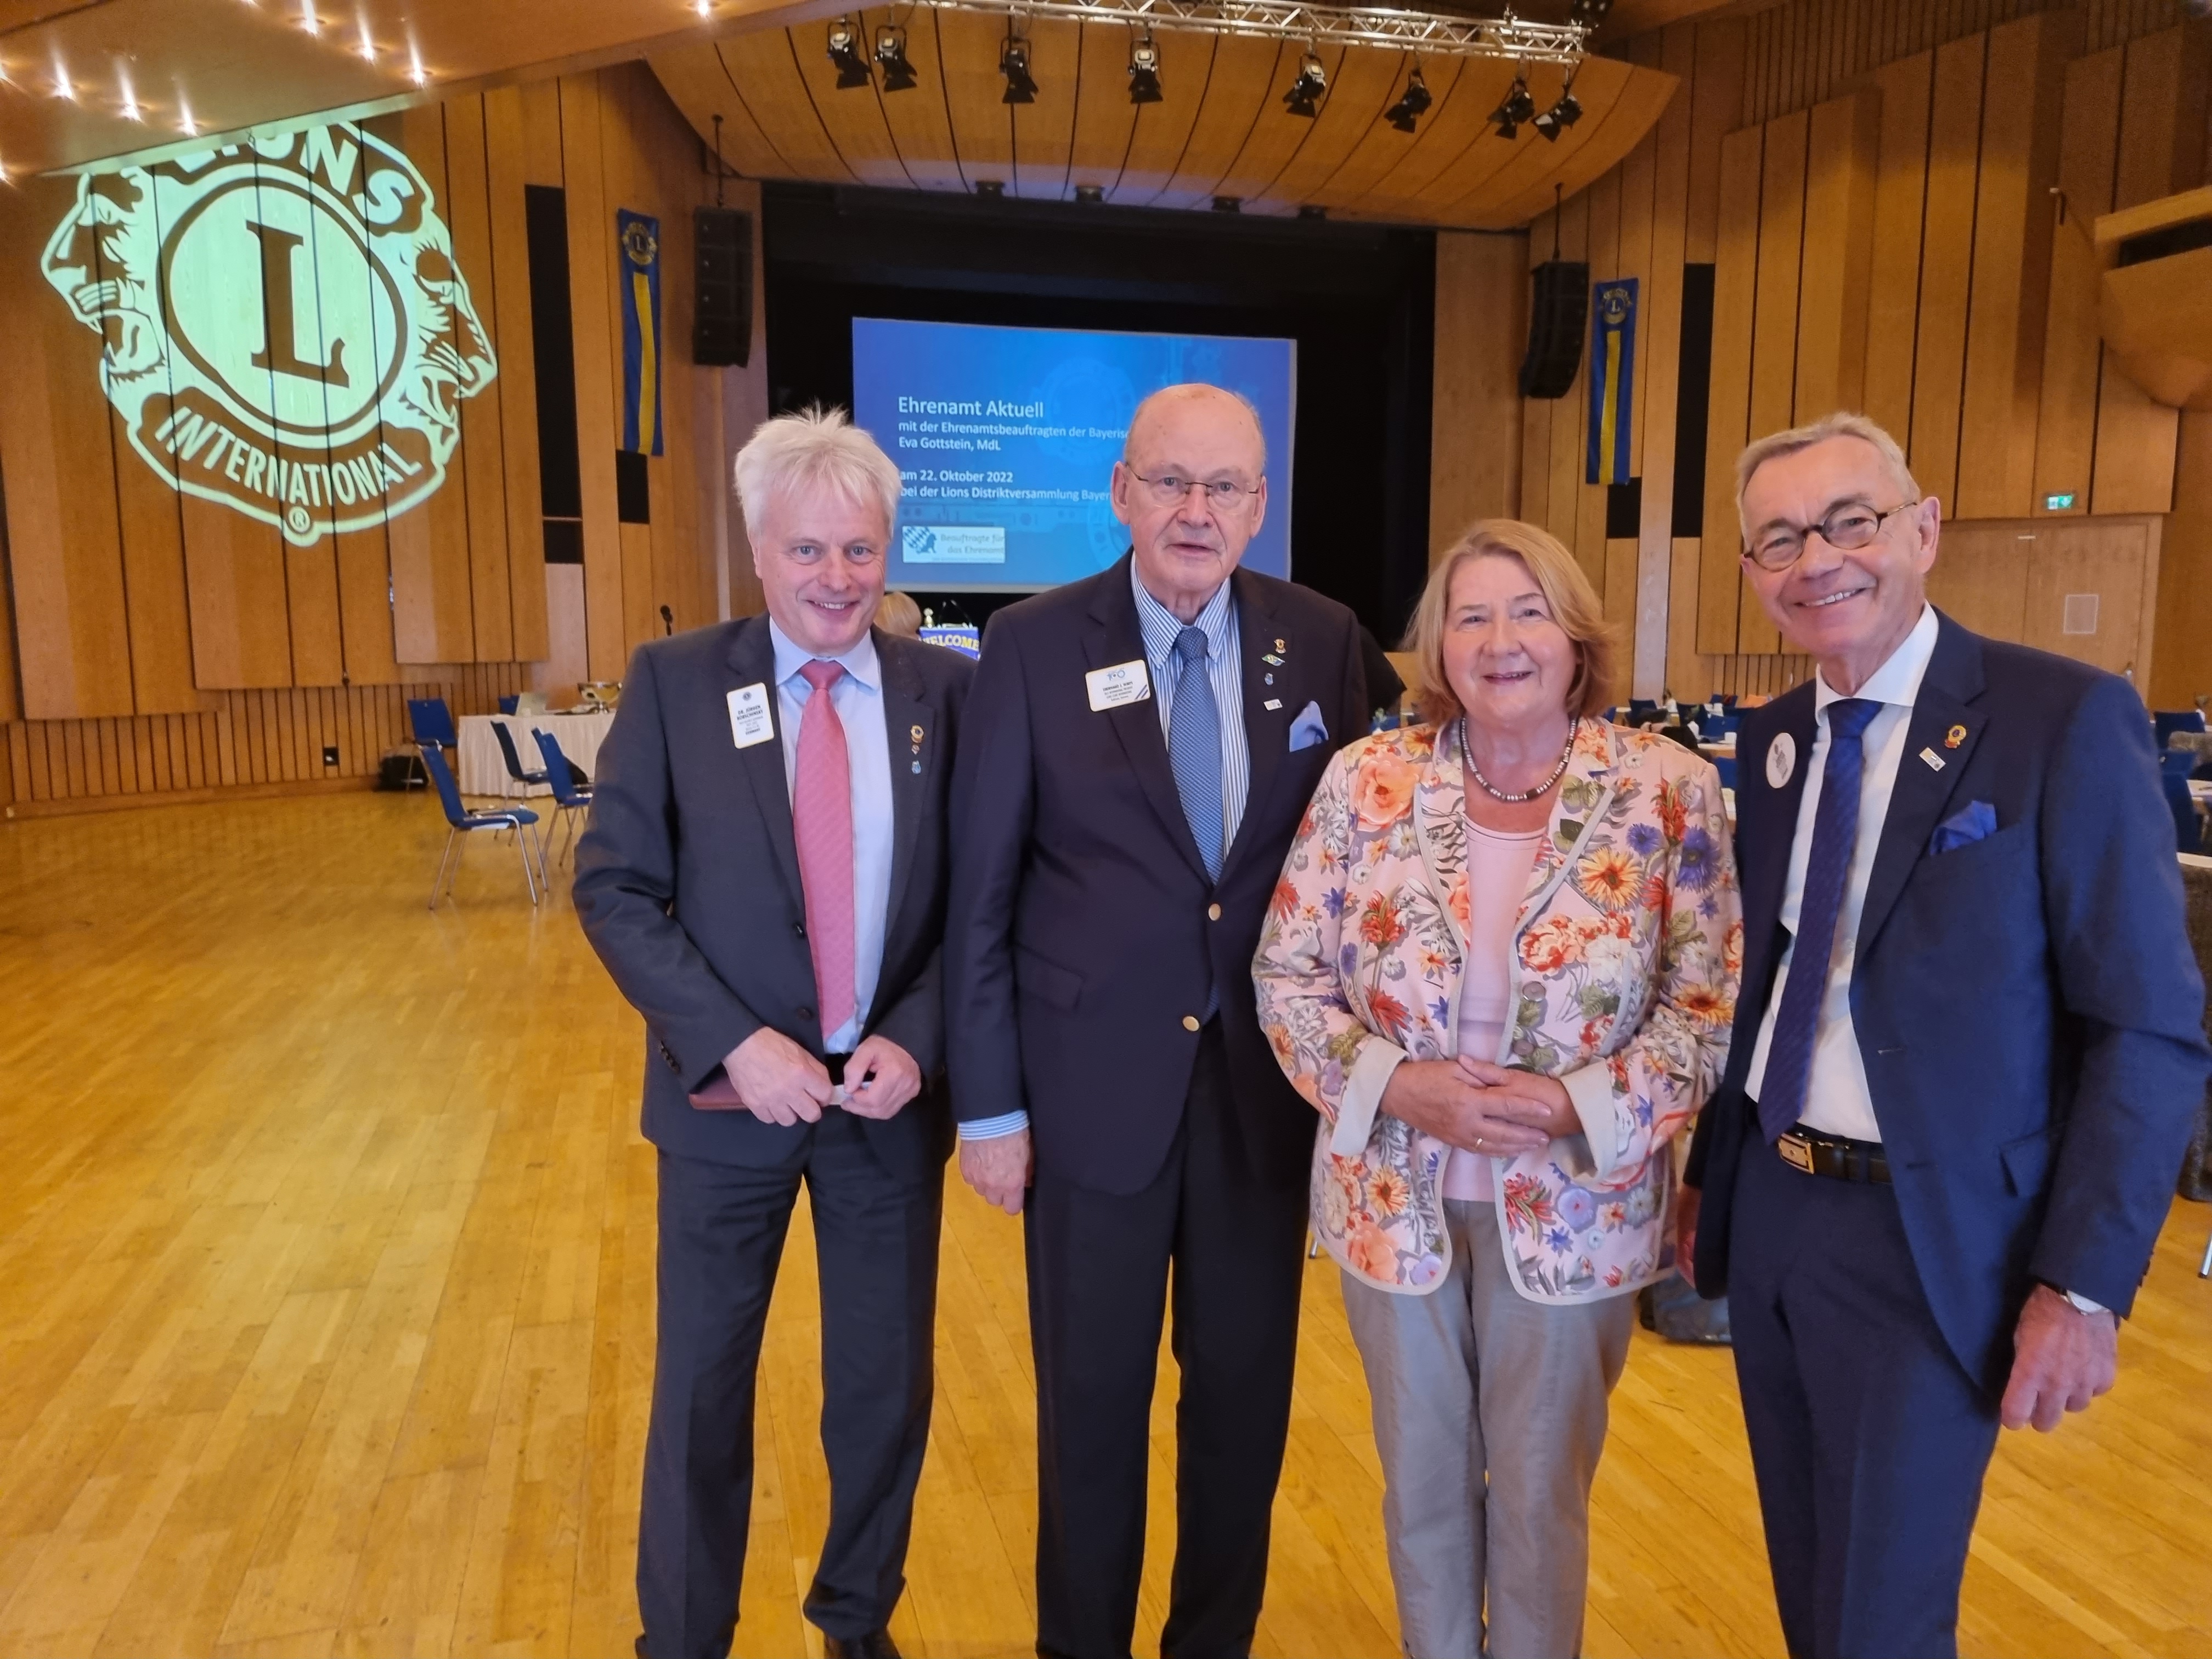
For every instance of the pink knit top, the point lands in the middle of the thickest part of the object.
(1497, 868)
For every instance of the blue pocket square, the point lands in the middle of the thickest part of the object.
(1309, 729)
(1964, 828)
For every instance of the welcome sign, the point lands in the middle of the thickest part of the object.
(285, 329)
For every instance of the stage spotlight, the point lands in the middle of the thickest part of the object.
(1014, 65)
(1312, 211)
(994, 188)
(1561, 115)
(845, 52)
(1312, 82)
(891, 52)
(1092, 194)
(1229, 205)
(1144, 70)
(1416, 101)
(1518, 106)
(1589, 13)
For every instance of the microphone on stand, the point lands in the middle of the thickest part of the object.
(667, 620)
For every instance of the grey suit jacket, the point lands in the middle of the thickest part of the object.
(688, 887)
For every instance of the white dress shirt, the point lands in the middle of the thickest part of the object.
(858, 697)
(1837, 1100)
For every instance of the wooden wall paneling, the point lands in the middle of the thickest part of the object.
(629, 183)
(2088, 150)
(1639, 176)
(698, 79)
(920, 130)
(759, 70)
(432, 608)
(11, 703)
(2096, 556)
(2013, 213)
(1842, 156)
(1563, 496)
(1246, 85)
(507, 167)
(1716, 85)
(1044, 130)
(1900, 193)
(1451, 137)
(1476, 426)
(1588, 535)
(1658, 381)
(537, 105)
(2181, 663)
(65, 542)
(1630, 99)
(1947, 267)
(1105, 119)
(152, 539)
(1735, 296)
(591, 240)
(1282, 146)
(853, 118)
(1774, 318)
(967, 49)
(468, 197)
(682, 550)
(1161, 132)
(1544, 243)
(1376, 149)
(2161, 149)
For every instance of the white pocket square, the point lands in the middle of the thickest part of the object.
(1309, 729)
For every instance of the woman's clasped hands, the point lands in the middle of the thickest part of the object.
(1480, 1107)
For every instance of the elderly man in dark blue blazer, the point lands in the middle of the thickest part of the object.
(765, 879)
(1141, 747)
(1966, 1053)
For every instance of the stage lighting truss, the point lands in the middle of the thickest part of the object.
(1433, 34)
(1145, 70)
(891, 52)
(1305, 92)
(1014, 65)
(1411, 106)
(846, 53)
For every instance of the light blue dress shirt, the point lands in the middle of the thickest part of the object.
(858, 697)
(1161, 627)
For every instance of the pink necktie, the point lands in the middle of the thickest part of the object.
(821, 820)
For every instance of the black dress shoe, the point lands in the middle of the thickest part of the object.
(876, 1645)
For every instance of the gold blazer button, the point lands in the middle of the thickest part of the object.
(1190, 1021)
(1213, 913)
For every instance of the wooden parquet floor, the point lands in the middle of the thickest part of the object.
(326, 1294)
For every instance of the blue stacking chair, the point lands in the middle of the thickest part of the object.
(2174, 765)
(2167, 721)
(569, 797)
(508, 705)
(513, 760)
(1725, 765)
(464, 822)
(432, 722)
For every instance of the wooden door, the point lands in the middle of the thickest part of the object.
(2085, 592)
(1979, 578)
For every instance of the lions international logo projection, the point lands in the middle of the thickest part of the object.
(286, 330)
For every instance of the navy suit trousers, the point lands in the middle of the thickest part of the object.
(722, 1228)
(1869, 1439)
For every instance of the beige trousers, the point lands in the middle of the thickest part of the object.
(1490, 1414)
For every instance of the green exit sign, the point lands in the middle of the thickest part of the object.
(2059, 503)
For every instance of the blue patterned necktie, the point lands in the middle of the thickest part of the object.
(1195, 757)
(1827, 868)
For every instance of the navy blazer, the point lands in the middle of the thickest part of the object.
(2027, 1005)
(687, 884)
(1085, 930)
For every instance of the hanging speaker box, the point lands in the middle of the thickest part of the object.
(1558, 311)
(722, 287)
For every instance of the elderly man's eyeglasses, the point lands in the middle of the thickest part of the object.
(1853, 525)
(1169, 488)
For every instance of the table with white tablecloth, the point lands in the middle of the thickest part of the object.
(483, 769)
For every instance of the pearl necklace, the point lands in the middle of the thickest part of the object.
(1526, 795)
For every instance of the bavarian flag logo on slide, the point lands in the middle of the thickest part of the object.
(284, 327)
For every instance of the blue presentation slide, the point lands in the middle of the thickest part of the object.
(1007, 439)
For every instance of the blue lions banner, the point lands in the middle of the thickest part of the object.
(639, 238)
(1611, 379)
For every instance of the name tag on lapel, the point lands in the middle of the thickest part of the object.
(1124, 683)
(749, 715)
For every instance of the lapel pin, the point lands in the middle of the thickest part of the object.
(1279, 646)
(1271, 661)
(1954, 737)
(915, 731)
(1934, 761)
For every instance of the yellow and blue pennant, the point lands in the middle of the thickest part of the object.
(1612, 380)
(638, 238)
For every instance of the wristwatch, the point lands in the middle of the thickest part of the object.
(2083, 1305)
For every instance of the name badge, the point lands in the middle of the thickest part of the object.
(1124, 683)
(749, 715)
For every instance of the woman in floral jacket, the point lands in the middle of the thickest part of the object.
(1502, 963)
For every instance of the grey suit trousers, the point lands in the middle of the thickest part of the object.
(1490, 1414)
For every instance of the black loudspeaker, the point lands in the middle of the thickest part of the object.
(722, 287)
(1556, 314)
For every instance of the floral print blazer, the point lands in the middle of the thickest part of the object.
(1627, 956)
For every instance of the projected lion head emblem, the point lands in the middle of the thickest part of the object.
(285, 326)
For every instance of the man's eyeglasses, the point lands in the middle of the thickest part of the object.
(1853, 525)
(1169, 488)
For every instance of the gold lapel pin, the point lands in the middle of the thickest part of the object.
(1280, 646)
(1954, 737)
(915, 731)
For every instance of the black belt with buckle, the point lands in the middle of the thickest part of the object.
(1833, 1155)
